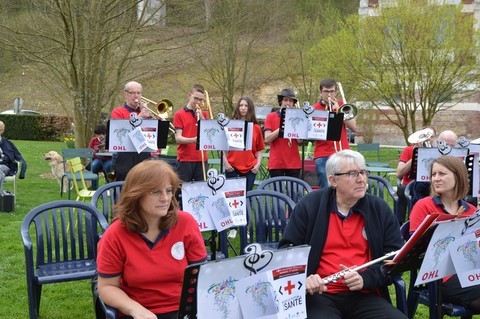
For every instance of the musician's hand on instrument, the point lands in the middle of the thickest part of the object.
(352, 279)
(315, 284)
(145, 113)
(335, 105)
(198, 111)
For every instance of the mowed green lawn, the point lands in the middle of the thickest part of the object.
(63, 300)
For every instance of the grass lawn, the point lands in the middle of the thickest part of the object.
(63, 300)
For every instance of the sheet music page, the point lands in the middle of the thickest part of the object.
(280, 279)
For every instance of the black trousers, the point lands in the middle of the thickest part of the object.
(350, 305)
(285, 172)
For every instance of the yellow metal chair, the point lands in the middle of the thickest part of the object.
(76, 167)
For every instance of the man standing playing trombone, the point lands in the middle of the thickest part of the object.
(123, 162)
(190, 161)
(323, 149)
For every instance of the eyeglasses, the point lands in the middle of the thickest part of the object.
(354, 174)
(134, 92)
(167, 191)
(328, 91)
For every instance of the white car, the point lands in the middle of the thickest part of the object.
(21, 112)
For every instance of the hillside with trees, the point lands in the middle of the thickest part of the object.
(73, 56)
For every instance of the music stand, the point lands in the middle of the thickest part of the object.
(188, 300)
(255, 261)
(162, 133)
(411, 255)
(334, 130)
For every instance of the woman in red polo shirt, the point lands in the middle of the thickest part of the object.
(144, 252)
(245, 163)
(448, 188)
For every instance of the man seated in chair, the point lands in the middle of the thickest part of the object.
(345, 227)
(9, 155)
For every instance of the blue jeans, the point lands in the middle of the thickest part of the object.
(99, 165)
(320, 165)
(250, 177)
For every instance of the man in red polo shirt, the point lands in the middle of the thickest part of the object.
(323, 149)
(189, 159)
(345, 227)
(122, 162)
(284, 158)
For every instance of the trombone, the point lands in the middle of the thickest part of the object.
(161, 107)
(160, 110)
(350, 111)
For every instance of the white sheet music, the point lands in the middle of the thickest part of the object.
(229, 288)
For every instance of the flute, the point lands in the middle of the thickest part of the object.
(340, 274)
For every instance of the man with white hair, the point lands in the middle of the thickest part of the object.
(9, 155)
(122, 162)
(345, 226)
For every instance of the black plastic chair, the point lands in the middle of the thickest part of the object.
(267, 213)
(294, 188)
(429, 294)
(61, 247)
(106, 197)
(409, 195)
(380, 187)
(372, 149)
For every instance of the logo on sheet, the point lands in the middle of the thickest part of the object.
(178, 250)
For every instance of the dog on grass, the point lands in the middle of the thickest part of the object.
(56, 164)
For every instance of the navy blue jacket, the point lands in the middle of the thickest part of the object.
(13, 155)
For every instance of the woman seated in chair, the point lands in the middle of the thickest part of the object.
(144, 252)
(449, 186)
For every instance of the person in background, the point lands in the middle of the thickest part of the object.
(422, 189)
(9, 155)
(97, 143)
(403, 173)
(144, 252)
(345, 227)
(122, 162)
(284, 158)
(189, 160)
(245, 163)
(323, 149)
(449, 186)
(449, 137)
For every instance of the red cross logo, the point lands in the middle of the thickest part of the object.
(235, 203)
(289, 287)
(149, 135)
